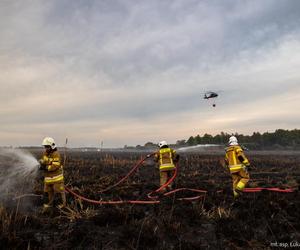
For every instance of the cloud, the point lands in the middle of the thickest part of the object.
(126, 70)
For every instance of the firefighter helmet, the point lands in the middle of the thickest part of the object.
(48, 141)
(162, 143)
(232, 141)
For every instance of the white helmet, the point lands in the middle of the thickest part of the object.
(233, 141)
(162, 143)
(48, 141)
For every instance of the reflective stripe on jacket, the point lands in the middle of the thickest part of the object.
(236, 159)
(166, 157)
(54, 168)
(54, 179)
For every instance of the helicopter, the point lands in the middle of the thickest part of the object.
(210, 94)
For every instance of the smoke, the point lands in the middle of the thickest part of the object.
(18, 171)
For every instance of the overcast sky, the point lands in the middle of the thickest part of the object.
(133, 71)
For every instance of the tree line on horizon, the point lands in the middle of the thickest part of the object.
(280, 139)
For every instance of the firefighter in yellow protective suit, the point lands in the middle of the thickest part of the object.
(166, 158)
(51, 164)
(237, 163)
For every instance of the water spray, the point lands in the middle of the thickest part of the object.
(18, 170)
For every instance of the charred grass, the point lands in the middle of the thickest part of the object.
(212, 222)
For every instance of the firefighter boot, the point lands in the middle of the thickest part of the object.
(239, 189)
(50, 200)
(64, 201)
(48, 205)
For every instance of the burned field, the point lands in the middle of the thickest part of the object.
(214, 221)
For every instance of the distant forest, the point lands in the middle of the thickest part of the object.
(280, 139)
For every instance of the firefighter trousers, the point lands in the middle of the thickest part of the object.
(240, 179)
(164, 177)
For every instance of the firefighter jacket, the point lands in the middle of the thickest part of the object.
(166, 158)
(53, 167)
(236, 159)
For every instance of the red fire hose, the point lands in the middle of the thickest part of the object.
(154, 198)
(259, 189)
(129, 174)
(101, 202)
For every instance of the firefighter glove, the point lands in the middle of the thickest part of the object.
(42, 165)
(249, 167)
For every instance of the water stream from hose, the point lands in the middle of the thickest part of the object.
(18, 171)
